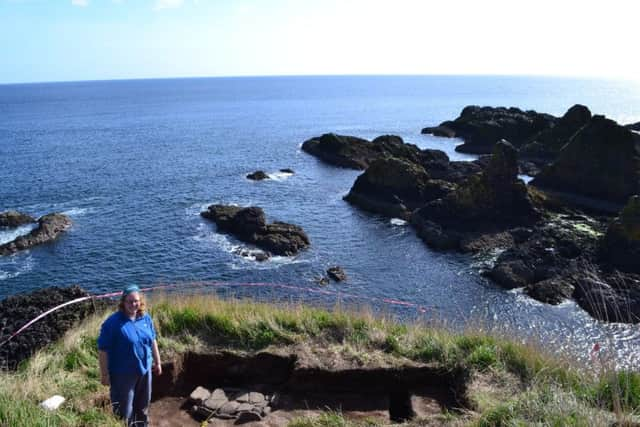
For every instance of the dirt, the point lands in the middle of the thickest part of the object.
(306, 387)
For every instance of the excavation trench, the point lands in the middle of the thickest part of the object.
(299, 389)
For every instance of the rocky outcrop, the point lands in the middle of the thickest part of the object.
(49, 227)
(620, 246)
(476, 215)
(395, 187)
(17, 310)
(357, 153)
(342, 150)
(551, 291)
(15, 219)
(542, 256)
(602, 161)
(337, 274)
(257, 176)
(482, 127)
(249, 225)
(608, 297)
(547, 144)
(493, 196)
(633, 126)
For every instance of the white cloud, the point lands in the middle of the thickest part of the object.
(80, 3)
(168, 4)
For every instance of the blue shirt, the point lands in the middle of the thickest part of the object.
(128, 343)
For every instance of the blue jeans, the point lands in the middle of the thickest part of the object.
(130, 397)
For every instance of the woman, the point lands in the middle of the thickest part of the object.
(128, 354)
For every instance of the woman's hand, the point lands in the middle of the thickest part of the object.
(157, 368)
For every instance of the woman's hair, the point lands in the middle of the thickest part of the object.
(141, 308)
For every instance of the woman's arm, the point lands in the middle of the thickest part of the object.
(157, 364)
(104, 367)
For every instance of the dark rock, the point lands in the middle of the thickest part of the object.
(248, 416)
(17, 310)
(551, 291)
(521, 234)
(434, 234)
(201, 413)
(545, 252)
(619, 303)
(455, 172)
(357, 153)
(287, 170)
(342, 150)
(482, 127)
(548, 143)
(337, 273)
(15, 219)
(249, 225)
(620, 246)
(322, 280)
(512, 274)
(528, 168)
(494, 196)
(49, 227)
(257, 255)
(258, 176)
(633, 126)
(602, 160)
(395, 187)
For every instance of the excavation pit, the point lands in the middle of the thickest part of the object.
(295, 388)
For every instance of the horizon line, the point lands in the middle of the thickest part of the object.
(124, 79)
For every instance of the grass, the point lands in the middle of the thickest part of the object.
(509, 383)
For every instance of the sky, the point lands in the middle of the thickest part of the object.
(70, 40)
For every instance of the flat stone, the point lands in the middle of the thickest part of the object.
(266, 411)
(219, 394)
(229, 409)
(214, 404)
(244, 407)
(256, 398)
(199, 395)
(243, 398)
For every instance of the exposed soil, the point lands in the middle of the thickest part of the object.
(303, 388)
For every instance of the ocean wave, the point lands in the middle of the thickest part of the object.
(398, 221)
(15, 265)
(77, 211)
(244, 256)
(275, 262)
(9, 235)
(195, 209)
(279, 176)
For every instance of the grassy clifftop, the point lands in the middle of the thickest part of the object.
(504, 383)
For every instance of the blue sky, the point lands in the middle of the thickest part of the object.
(62, 40)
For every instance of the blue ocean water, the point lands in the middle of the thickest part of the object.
(134, 162)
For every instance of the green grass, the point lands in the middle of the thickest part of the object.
(509, 384)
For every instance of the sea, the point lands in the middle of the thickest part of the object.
(134, 162)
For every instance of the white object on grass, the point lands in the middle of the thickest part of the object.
(53, 403)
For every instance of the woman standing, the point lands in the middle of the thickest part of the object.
(128, 354)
